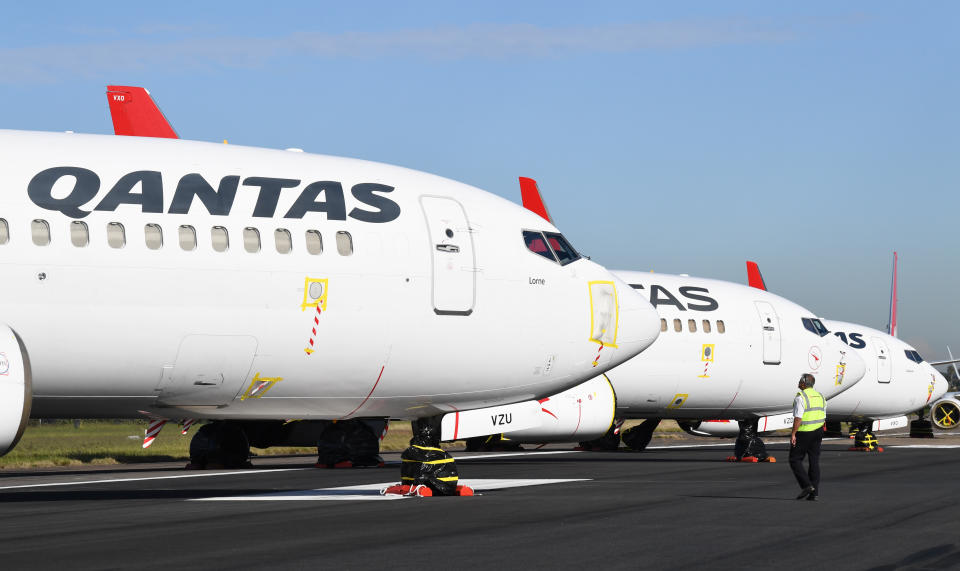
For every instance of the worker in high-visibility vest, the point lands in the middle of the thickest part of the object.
(809, 416)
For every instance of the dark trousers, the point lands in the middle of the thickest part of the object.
(808, 444)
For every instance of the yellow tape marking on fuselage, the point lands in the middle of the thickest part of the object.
(616, 316)
(308, 299)
(841, 371)
(678, 400)
(259, 386)
(706, 355)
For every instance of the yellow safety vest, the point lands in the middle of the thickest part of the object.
(814, 411)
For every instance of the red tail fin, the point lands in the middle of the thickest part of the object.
(892, 324)
(532, 201)
(754, 278)
(134, 113)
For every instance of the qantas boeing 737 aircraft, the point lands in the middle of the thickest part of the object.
(195, 280)
(725, 351)
(898, 380)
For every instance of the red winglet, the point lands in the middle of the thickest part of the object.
(135, 114)
(754, 278)
(532, 201)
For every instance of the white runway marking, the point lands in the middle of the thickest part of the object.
(372, 491)
(665, 446)
(117, 480)
(923, 446)
(484, 455)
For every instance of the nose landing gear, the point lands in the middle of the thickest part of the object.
(427, 470)
(864, 440)
(749, 446)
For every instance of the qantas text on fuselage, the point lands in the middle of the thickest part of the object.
(218, 202)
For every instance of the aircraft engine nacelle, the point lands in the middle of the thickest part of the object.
(945, 413)
(16, 395)
(714, 428)
(584, 412)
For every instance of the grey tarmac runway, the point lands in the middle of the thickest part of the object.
(674, 506)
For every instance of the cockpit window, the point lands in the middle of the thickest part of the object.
(564, 251)
(537, 244)
(551, 246)
(913, 356)
(815, 326)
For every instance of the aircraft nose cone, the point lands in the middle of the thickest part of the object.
(853, 368)
(940, 386)
(639, 322)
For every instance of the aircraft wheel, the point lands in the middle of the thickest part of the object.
(945, 414)
(219, 445)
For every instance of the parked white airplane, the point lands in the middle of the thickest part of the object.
(897, 381)
(197, 280)
(725, 351)
(589, 406)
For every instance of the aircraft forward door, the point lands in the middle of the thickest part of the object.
(884, 372)
(770, 329)
(451, 247)
(210, 370)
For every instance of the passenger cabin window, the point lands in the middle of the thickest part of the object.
(153, 236)
(692, 325)
(663, 324)
(220, 238)
(116, 235)
(251, 240)
(537, 244)
(281, 238)
(314, 242)
(677, 325)
(706, 326)
(4, 231)
(79, 234)
(344, 243)
(188, 238)
(40, 231)
(561, 248)
(815, 326)
(721, 328)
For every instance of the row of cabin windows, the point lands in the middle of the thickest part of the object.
(692, 325)
(186, 237)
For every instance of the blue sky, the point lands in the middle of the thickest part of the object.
(814, 138)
